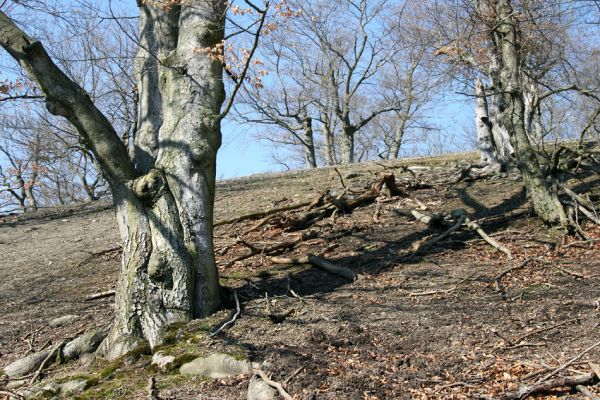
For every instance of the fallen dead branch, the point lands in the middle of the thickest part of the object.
(475, 227)
(56, 350)
(340, 204)
(498, 278)
(273, 384)
(318, 262)
(262, 214)
(568, 363)
(238, 312)
(587, 392)
(573, 381)
(430, 242)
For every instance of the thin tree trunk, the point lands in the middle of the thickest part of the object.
(347, 143)
(329, 139)
(309, 143)
(542, 193)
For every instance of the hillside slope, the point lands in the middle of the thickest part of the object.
(431, 324)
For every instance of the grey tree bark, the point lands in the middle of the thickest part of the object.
(485, 139)
(163, 188)
(542, 193)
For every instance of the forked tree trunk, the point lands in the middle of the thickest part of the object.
(169, 272)
(542, 193)
(164, 192)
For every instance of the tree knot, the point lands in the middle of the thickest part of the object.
(150, 187)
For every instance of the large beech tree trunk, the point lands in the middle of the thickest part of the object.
(163, 187)
(542, 193)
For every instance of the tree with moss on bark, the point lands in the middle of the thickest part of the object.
(163, 182)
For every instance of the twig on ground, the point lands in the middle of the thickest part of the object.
(572, 273)
(274, 384)
(498, 278)
(238, 311)
(540, 387)
(53, 352)
(100, 295)
(441, 291)
(12, 394)
(568, 363)
(262, 214)
(289, 378)
(541, 330)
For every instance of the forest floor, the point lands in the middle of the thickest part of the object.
(448, 322)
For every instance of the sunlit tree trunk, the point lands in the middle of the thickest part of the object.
(163, 188)
(541, 192)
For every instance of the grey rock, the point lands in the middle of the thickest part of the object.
(260, 390)
(86, 343)
(26, 365)
(11, 385)
(215, 366)
(51, 388)
(74, 386)
(162, 361)
(64, 320)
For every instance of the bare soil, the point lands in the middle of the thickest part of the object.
(435, 325)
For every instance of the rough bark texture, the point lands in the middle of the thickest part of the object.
(485, 140)
(309, 143)
(541, 192)
(505, 152)
(163, 188)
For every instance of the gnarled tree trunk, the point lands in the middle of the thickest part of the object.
(163, 188)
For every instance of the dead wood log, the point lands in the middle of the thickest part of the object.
(587, 392)
(385, 180)
(546, 386)
(318, 262)
(262, 214)
(430, 242)
(475, 227)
